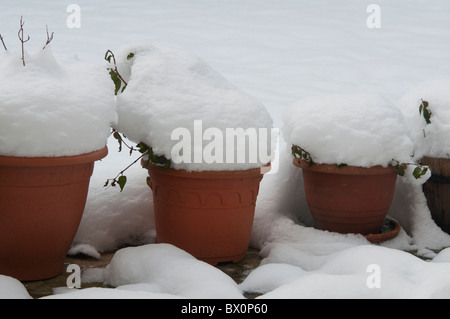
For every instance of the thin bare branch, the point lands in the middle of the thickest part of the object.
(22, 40)
(49, 38)
(3, 42)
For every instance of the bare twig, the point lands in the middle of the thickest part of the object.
(49, 38)
(22, 40)
(3, 42)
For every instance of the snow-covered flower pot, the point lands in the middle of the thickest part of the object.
(184, 110)
(427, 112)
(345, 145)
(206, 213)
(43, 200)
(55, 118)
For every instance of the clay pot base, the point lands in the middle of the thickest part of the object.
(389, 231)
(214, 261)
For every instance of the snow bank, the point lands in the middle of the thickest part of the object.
(358, 271)
(355, 129)
(364, 271)
(443, 256)
(11, 288)
(51, 108)
(158, 270)
(432, 139)
(169, 90)
(108, 293)
(270, 276)
(172, 269)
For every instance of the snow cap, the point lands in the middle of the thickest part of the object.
(171, 94)
(354, 129)
(50, 108)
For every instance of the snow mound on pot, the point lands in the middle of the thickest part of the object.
(50, 108)
(432, 139)
(171, 91)
(354, 129)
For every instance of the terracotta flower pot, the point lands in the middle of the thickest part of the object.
(208, 214)
(437, 191)
(348, 199)
(42, 200)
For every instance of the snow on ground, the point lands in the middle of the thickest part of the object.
(278, 52)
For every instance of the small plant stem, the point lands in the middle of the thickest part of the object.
(121, 140)
(419, 171)
(111, 54)
(301, 153)
(123, 171)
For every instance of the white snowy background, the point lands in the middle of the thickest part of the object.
(278, 52)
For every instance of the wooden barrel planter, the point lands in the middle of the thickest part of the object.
(437, 191)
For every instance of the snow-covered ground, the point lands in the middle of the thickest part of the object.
(279, 52)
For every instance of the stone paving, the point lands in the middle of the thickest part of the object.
(42, 288)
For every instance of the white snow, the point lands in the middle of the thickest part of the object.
(443, 256)
(356, 129)
(53, 107)
(11, 288)
(351, 274)
(165, 270)
(268, 277)
(279, 53)
(174, 270)
(130, 292)
(167, 91)
(430, 139)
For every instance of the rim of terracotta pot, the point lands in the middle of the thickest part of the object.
(52, 161)
(207, 174)
(344, 169)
